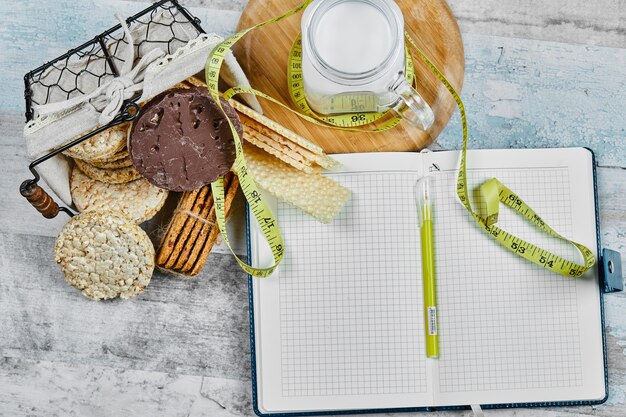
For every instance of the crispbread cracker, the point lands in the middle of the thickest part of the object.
(111, 176)
(182, 239)
(276, 127)
(290, 147)
(137, 199)
(105, 255)
(177, 222)
(326, 162)
(275, 149)
(294, 149)
(103, 145)
(207, 245)
(316, 195)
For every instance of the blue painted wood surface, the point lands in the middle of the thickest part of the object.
(522, 93)
(518, 92)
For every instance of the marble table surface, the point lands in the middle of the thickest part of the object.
(537, 74)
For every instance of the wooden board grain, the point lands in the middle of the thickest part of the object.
(263, 53)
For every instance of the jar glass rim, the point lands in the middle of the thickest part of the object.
(335, 74)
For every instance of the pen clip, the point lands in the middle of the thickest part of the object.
(423, 199)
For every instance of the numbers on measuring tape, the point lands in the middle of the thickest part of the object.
(354, 122)
(355, 103)
(522, 248)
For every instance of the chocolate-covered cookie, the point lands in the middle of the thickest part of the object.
(181, 140)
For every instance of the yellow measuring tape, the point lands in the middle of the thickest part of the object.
(353, 119)
(493, 192)
(261, 211)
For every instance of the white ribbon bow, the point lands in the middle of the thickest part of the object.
(109, 98)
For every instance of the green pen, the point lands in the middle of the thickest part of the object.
(424, 207)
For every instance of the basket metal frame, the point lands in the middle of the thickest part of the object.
(128, 112)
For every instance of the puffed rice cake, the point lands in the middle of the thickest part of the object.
(137, 199)
(101, 146)
(105, 255)
(111, 176)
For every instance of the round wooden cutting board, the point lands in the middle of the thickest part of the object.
(263, 54)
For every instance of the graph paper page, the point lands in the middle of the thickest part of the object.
(340, 325)
(512, 331)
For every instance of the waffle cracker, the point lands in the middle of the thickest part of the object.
(316, 195)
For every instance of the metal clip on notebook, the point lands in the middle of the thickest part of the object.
(611, 271)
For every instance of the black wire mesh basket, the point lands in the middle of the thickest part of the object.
(99, 61)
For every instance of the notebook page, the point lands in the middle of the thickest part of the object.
(512, 331)
(340, 325)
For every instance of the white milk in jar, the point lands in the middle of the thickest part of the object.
(353, 60)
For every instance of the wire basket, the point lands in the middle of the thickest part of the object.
(99, 61)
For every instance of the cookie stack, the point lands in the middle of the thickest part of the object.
(103, 178)
(193, 230)
(104, 157)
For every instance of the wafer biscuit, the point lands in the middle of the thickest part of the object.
(105, 255)
(137, 199)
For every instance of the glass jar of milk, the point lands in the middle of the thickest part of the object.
(353, 60)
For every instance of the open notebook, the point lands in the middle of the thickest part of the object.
(339, 325)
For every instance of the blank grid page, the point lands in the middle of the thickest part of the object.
(350, 294)
(505, 324)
